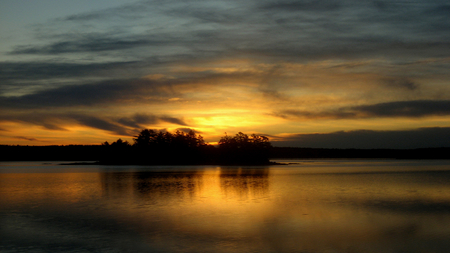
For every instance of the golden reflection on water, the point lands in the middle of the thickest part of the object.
(189, 186)
(233, 209)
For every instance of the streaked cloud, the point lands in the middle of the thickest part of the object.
(117, 126)
(417, 108)
(88, 45)
(25, 138)
(92, 94)
(403, 83)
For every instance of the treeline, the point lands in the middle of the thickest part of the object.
(153, 148)
(179, 148)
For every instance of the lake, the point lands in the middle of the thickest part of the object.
(311, 206)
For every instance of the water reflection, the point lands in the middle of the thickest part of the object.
(245, 183)
(152, 185)
(235, 183)
(229, 209)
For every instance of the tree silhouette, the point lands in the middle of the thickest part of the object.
(242, 149)
(146, 138)
(120, 144)
(150, 138)
(162, 147)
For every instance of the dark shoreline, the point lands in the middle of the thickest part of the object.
(74, 153)
(168, 164)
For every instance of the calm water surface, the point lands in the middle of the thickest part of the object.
(313, 206)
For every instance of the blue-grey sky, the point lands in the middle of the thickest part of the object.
(302, 72)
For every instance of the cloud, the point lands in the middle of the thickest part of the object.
(272, 93)
(305, 6)
(403, 83)
(299, 114)
(111, 91)
(20, 77)
(139, 121)
(47, 120)
(418, 108)
(126, 11)
(187, 130)
(86, 16)
(126, 126)
(25, 138)
(98, 123)
(401, 139)
(413, 109)
(174, 121)
(90, 45)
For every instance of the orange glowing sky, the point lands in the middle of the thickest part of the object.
(307, 74)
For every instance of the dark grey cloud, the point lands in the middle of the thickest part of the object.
(20, 75)
(415, 108)
(127, 126)
(140, 121)
(124, 12)
(89, 93)
(187, 130)
(293, 114)
(111, 91)
(404, 83)
(98, 123)
(273, 94)
(174, 121)
(418, 108)
(90, 45)
(40, 69)
(86, 16)
(210, 14)
(305, 5)
(417, 138)
(337, 47)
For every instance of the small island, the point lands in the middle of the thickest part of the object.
(152, 147)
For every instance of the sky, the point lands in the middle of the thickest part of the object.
(324, 74)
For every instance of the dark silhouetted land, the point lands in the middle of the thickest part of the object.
(154, 148)
(164, 148)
